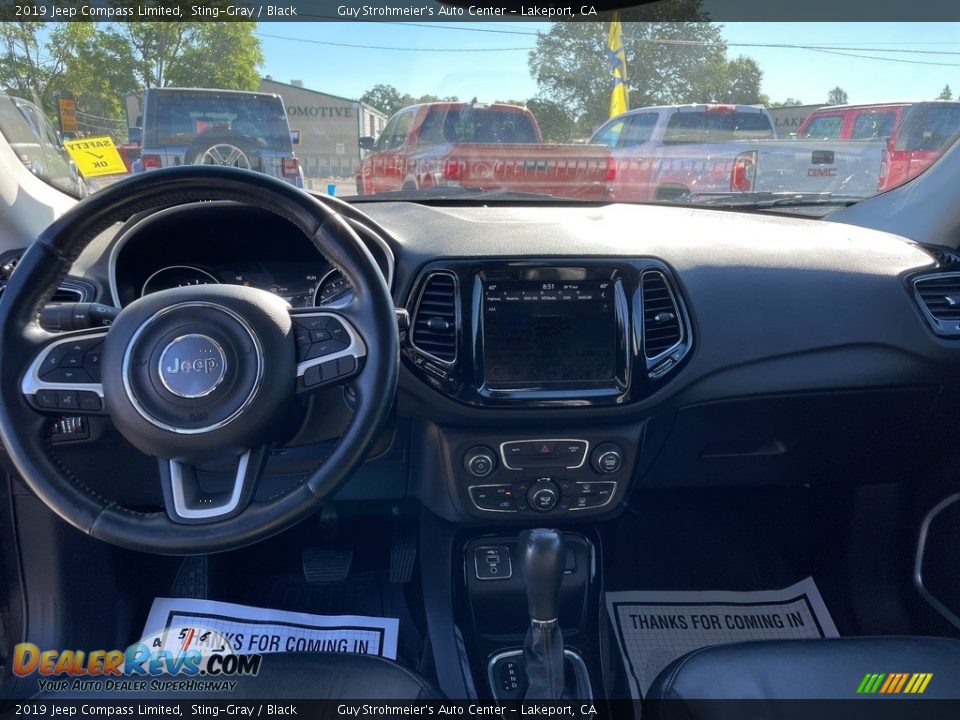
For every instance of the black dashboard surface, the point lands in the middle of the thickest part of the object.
(776, 304)
(806, 339)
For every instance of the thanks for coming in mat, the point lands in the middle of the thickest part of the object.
(243, 629)
(654, 628)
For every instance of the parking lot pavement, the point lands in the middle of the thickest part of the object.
(344, 187)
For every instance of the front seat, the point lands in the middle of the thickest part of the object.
(832, 669)
(293, 676)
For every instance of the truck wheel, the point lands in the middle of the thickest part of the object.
(224, 149)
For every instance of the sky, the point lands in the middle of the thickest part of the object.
(295, 51)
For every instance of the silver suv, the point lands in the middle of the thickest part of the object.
(194, 126)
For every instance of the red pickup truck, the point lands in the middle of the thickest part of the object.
(483, 147)
(915, 133)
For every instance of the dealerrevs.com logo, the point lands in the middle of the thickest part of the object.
(186, 659)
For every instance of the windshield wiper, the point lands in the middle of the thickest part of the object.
(768, 199)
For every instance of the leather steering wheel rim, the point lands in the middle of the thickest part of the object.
(47, 261)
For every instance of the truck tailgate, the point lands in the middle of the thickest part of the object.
(847, 167)
(577, 171)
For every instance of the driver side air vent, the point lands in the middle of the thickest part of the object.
(436, 317)
(939, 298)
(662, 324)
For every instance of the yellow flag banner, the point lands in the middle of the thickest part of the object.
(619, 102)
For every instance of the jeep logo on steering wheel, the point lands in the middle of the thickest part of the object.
(192, 366)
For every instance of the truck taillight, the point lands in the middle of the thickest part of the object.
(290, 167)
(744, 171)
(453, 169)
(150, 162)
(611, 170)
(722, 109)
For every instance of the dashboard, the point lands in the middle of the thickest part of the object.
(559, 358)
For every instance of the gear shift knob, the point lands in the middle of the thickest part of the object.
(542, 559)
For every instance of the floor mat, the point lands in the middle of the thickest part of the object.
(362, 594)
(653, 628)
(246, 629)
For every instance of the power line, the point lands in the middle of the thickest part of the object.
(393, 47)
(843, 50)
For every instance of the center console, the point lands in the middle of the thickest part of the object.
(571, 334)
(543, 476)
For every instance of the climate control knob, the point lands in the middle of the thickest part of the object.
(543, 496)
(479, 461)
(607, 458)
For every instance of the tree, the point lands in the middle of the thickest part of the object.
(221, 55)
(738, 81)
(555, 121)
(160, 54)
(385, 98)
(673, 56)
(388, 100)
(837, 96)
(789, 102)
(35, 57)
(945, 94)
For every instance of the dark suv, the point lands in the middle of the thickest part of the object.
(193, 126)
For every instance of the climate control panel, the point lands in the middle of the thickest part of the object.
(544, 476)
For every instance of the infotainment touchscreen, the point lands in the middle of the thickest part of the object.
(558, 331)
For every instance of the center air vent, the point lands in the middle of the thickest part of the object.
(939, 297)
(662, 324)
(436, 316)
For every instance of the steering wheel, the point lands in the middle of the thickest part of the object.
(191, 374)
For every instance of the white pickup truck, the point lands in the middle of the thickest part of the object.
(674, 151)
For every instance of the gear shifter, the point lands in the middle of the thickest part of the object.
(542, 559)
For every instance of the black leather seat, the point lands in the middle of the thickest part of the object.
(803, 669)
(297, 676)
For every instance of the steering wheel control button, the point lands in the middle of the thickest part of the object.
(497, 498)
(192, 366)
(89, 401)
(46, 399)
(607, 458)
(62, 375)
(68, 356)
(492, 562)
(67, 400)
(318, 337)
(479, 461)
(543, 495)
(72, 360)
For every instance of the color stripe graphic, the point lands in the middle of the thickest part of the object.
(894, 683)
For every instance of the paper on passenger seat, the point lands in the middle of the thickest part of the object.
(654, 628)
(262, 630)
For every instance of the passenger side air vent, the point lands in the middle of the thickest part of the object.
(662, 323)
(939, 298)
(436, 316)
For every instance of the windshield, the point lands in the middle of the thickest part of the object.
(635, 106)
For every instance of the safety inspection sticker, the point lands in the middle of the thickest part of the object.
(654, 628)
(247, 629)
(95, 156)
